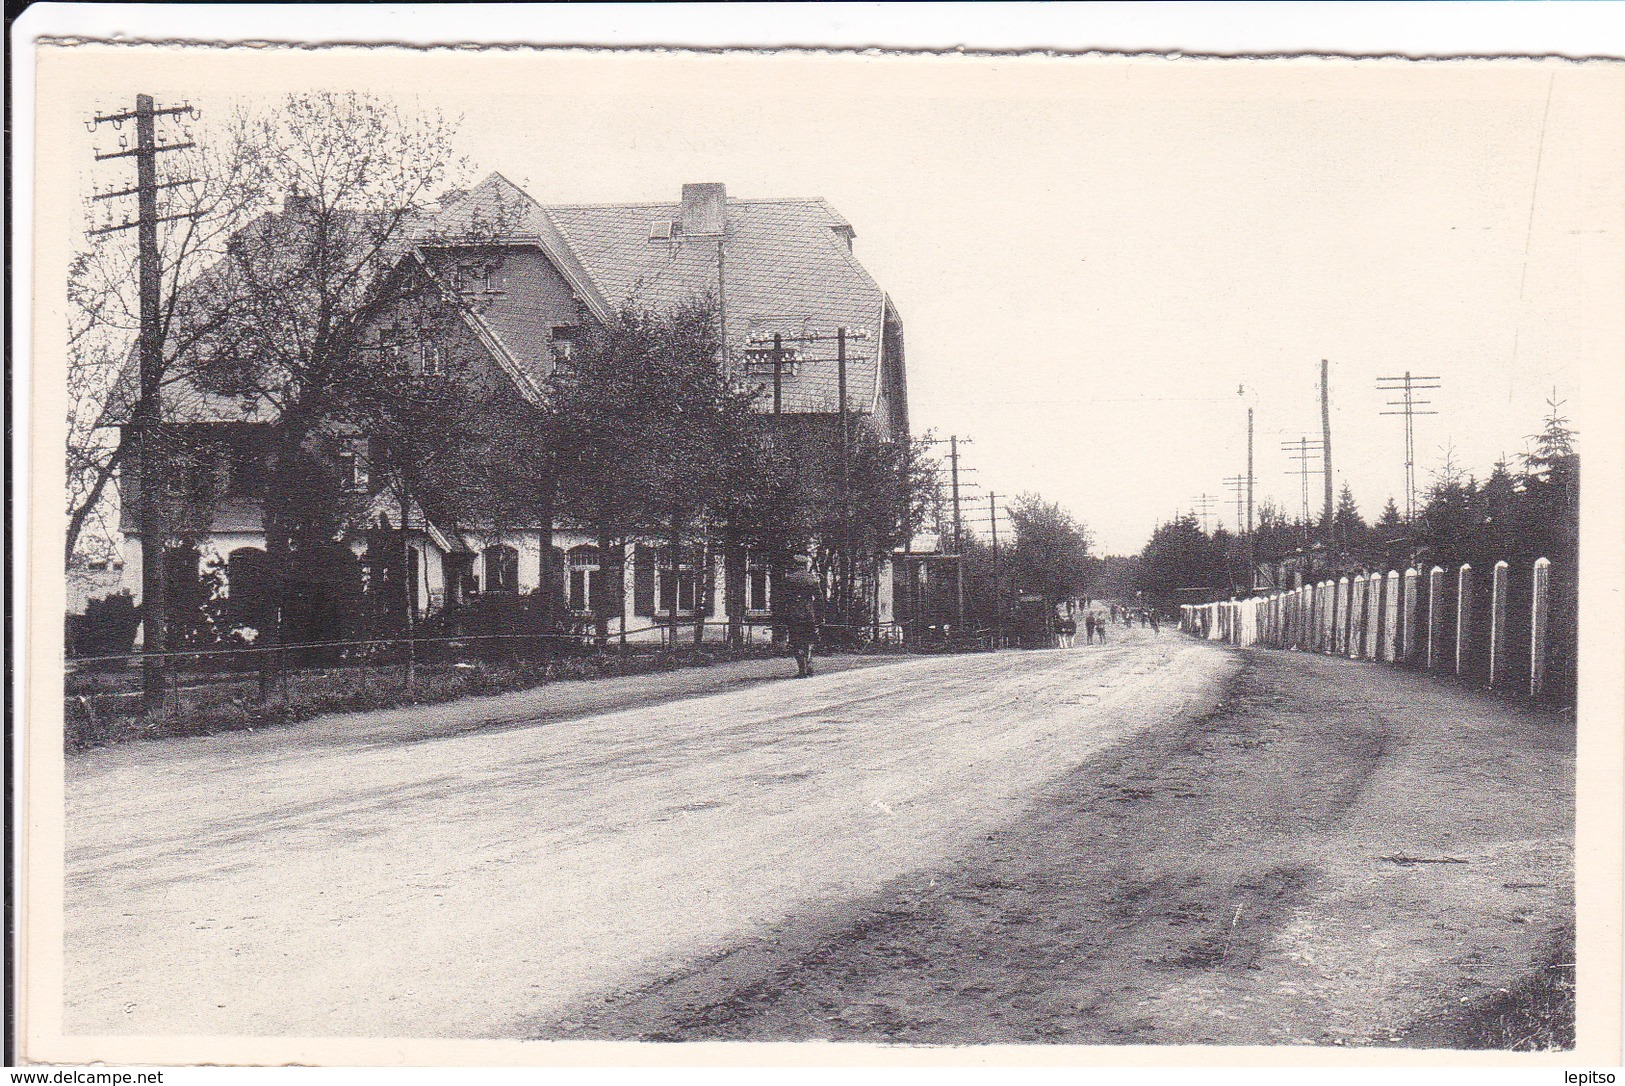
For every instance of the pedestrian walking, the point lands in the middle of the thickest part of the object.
(1155, 627)
(803, 613)
(1069, 631)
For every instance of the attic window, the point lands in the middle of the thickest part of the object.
(662, 230)
(474, 278)
(564, 341)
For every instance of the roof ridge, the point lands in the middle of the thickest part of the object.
(630, 204)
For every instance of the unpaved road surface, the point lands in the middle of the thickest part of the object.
(1338, 854)
(488, 868)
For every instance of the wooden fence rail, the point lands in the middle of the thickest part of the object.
(1409, 618)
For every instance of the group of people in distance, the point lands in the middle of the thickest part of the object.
(1096, 624)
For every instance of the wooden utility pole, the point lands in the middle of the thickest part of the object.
(1409, 386)
(846, 480)
(148, 415)
(1303, 450)
(1326, 448)
(1252, 570)
(778, 374)
(844, 557)
(959, 552)
(998, 594)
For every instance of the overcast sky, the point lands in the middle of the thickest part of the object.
(1101, 262)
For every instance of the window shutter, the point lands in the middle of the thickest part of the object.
(643, 581)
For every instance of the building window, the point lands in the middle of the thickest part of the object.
(584, 577)
(674, 585)
(501, 570)
(355, 456)
(431, 359)
(390, 351)
(564, 342)
(758, 584)
(474, 278)
(759, 361)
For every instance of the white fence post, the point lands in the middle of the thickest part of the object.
(1498, 623)
(1390, 617)
(1435, 617)
(1357, 615)
(1539, 614)
(1373, 615)
(1340, 617)
(1464, 615)
(1407, 652)
(1328, 619)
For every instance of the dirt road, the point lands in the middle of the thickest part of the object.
(483, 869)
(1338, 854)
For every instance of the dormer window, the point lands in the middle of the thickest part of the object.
(564, 342)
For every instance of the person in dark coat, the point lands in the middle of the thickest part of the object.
(803, 613)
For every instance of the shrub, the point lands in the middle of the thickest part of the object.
(107, 628)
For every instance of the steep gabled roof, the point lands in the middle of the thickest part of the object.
(785, 266)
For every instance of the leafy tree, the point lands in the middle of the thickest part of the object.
(1180, 564)
(652, 436)
(1051, 549)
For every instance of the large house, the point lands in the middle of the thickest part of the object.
(781, 266)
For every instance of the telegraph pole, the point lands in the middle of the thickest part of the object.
(1204, 509)
(778, 374)
(1251, 568)
(1305, 450)
(1326, 446)
(998, 595)
(841, 336)
(1408, 385)
(148, 414)
(959, 551)
(1238, 491)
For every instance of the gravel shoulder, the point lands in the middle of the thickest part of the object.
(1336, 854)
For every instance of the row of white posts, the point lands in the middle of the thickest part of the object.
(1374, 617)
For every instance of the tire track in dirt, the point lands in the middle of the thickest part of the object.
(1225, 880)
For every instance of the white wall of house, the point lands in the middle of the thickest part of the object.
(131, 581)
(883, 574)
(432, 584)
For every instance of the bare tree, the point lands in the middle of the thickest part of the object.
(104, 319)
(310, 281)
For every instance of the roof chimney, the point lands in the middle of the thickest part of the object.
(298, 204)
(705, 209)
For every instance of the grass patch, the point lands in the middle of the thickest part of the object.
(95, 719)
(1534, 1015)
